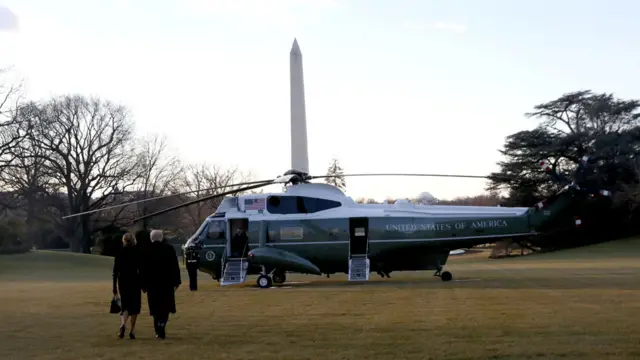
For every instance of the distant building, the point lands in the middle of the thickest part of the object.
(425, 198)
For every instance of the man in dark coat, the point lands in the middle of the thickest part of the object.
(161, 279)
(239, 243)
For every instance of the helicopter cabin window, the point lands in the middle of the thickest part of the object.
(216, 231)
(299, 204)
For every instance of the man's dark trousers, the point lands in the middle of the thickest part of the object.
(192, 270)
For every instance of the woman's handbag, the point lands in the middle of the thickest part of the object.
(116, 305)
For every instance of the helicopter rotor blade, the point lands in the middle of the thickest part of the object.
(209, 197)
(402, 174)
(164, 197)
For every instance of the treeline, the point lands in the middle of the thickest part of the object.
(489, 199)
(71, 154)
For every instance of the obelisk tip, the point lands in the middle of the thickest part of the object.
(295, 48)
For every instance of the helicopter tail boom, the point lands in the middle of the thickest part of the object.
(546, 211)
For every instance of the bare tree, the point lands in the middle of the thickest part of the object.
(203, 180)
(87, 147)
(28, 177)
(12, 130)
(363, 200)
(160, 173)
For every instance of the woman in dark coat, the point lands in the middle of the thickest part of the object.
(161, 278)
(126, 280)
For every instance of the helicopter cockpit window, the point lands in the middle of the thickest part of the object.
(216, 230)
(299, 204)
(282, 205)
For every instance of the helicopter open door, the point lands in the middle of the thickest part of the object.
(358, 249)
(235, 260)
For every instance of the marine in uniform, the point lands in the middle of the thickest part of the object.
(192, 256)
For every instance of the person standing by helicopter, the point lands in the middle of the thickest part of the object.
(192, 258)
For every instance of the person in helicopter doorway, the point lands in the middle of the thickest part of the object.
(239, 243)
(192, 257)
(161, 279)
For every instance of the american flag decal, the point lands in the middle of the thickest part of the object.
(254, 204)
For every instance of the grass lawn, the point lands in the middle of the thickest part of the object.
(577, 304)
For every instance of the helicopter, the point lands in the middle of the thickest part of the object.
(314, 228)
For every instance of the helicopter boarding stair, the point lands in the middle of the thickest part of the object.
(234, 270)
(358, 254)
(359, 268)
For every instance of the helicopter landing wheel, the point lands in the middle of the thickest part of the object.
(446, 276)
(279, 277)
(264, 282)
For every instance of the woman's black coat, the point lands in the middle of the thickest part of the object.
(126, 276)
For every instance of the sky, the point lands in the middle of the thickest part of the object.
(391, 86)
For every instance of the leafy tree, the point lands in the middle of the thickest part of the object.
(336, 175)
(576, 124)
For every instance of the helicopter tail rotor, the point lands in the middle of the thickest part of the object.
(580, 182)
(580, 185)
